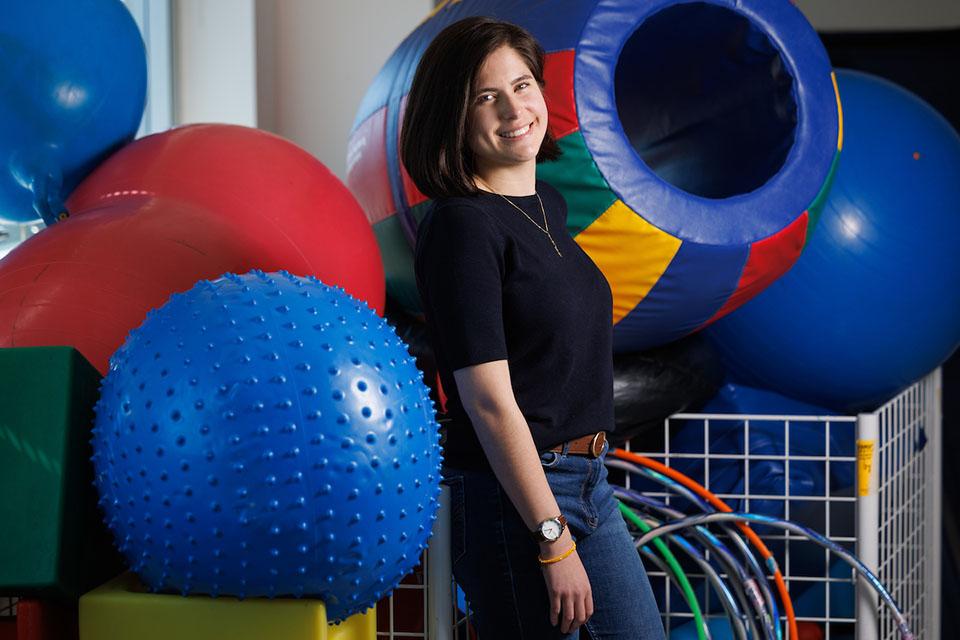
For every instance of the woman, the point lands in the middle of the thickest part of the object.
(521, 324)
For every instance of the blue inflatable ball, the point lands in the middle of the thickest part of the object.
(267, 435)
(768, 443)
(72, 90)
(872, 304)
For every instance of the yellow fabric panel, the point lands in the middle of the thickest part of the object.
(631, 253)
(836, 92)
(123, 610)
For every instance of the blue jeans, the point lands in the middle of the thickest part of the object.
(495, 558)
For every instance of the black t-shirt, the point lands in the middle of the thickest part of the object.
(494, 288)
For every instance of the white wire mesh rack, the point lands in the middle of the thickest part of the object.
(404, 613)
(878, 495)
(908, 538)
(752, 463)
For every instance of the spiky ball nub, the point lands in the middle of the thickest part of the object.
(268, 435)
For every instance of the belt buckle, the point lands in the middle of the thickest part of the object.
(596, 445)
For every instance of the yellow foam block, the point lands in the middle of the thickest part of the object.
(360, 626)
(123, 609)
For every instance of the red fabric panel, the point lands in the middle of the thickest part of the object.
(46, 620)
(367, 168)
(769, 259)
(8, 628)
(441, 394)
(410, 191)
(558, 92)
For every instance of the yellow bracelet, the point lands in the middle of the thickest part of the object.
(560, 557)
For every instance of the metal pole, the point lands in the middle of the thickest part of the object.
(440, 574)
(934, 480)
(868, 522)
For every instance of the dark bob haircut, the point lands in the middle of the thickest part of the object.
(433, 141)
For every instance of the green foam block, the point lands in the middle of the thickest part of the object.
(52, 539)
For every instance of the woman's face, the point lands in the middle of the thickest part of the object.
(508, 116)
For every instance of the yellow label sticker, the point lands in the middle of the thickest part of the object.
(864, 465)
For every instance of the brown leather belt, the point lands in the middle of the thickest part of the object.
(588, 445)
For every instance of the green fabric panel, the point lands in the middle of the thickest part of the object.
(54, 540)
(420, 211)
(816, 207)
(576, 176)
(398, 263)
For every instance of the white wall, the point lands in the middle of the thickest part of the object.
(299, 68)
(316, 60)
(154, 19)
(215, 61)
(881, 15)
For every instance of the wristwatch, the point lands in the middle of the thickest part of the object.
(550, 529)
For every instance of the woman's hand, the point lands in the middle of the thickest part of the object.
(568, 587)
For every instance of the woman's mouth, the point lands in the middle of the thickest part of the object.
(516, 133)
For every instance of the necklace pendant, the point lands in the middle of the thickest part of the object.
(555, 247)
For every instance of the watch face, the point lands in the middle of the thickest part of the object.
(550, 529)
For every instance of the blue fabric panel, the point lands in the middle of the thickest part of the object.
(759, 213)
(695, 285)
(398, 88)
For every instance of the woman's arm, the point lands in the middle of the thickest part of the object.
(488, 399)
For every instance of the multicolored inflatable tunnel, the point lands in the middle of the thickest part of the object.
(699, 140)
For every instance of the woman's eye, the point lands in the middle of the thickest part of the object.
(486, 97)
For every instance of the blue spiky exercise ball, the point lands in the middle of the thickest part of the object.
(267, 435)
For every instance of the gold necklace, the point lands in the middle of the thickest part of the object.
(545, 228)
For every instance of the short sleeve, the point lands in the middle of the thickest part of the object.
(459, 269)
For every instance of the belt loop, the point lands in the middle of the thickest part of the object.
(554, 459)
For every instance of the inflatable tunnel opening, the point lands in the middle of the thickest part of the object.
(706, 100)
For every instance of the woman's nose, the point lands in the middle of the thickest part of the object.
(509, 108)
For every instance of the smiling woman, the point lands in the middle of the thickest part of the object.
(514, 306)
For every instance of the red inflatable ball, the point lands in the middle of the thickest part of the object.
(87, 281)
(169, 210)
(303, 218)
